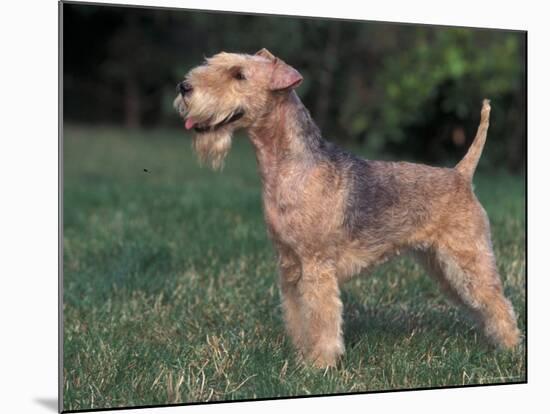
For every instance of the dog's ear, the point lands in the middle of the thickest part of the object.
(266, 54)
(284, 77)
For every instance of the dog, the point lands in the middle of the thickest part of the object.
(332, 215)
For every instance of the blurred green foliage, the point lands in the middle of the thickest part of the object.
(410, 91)
(443, 75)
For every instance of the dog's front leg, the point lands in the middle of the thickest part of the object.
(290, 272)
(322, 312)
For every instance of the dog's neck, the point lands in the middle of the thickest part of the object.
(285, 132)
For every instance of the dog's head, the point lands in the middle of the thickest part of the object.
(228, 92)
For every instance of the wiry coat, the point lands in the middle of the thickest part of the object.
(331, 214)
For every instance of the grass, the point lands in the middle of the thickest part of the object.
(170, 291)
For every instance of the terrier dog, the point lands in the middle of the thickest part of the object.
(331, 214)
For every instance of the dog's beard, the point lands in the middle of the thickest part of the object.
(214, 142)
(212, 147)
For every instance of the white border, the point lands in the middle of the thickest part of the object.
(28, 183)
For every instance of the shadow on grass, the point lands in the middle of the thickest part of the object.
(397, 323)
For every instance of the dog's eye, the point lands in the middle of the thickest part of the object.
(238, 74)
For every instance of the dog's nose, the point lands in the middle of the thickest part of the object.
(184, 87)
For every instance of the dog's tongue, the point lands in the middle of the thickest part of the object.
(189, 123)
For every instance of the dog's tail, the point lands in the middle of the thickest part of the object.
(468, 164)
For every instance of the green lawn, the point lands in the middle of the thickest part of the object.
(170, 287)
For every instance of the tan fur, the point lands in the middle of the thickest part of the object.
(469, 163)
(332, 215)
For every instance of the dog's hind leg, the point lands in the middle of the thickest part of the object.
(469, 277)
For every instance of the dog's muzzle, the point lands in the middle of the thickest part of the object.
(207, 127)
(229, 119)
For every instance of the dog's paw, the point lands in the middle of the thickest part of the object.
(325, 357)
